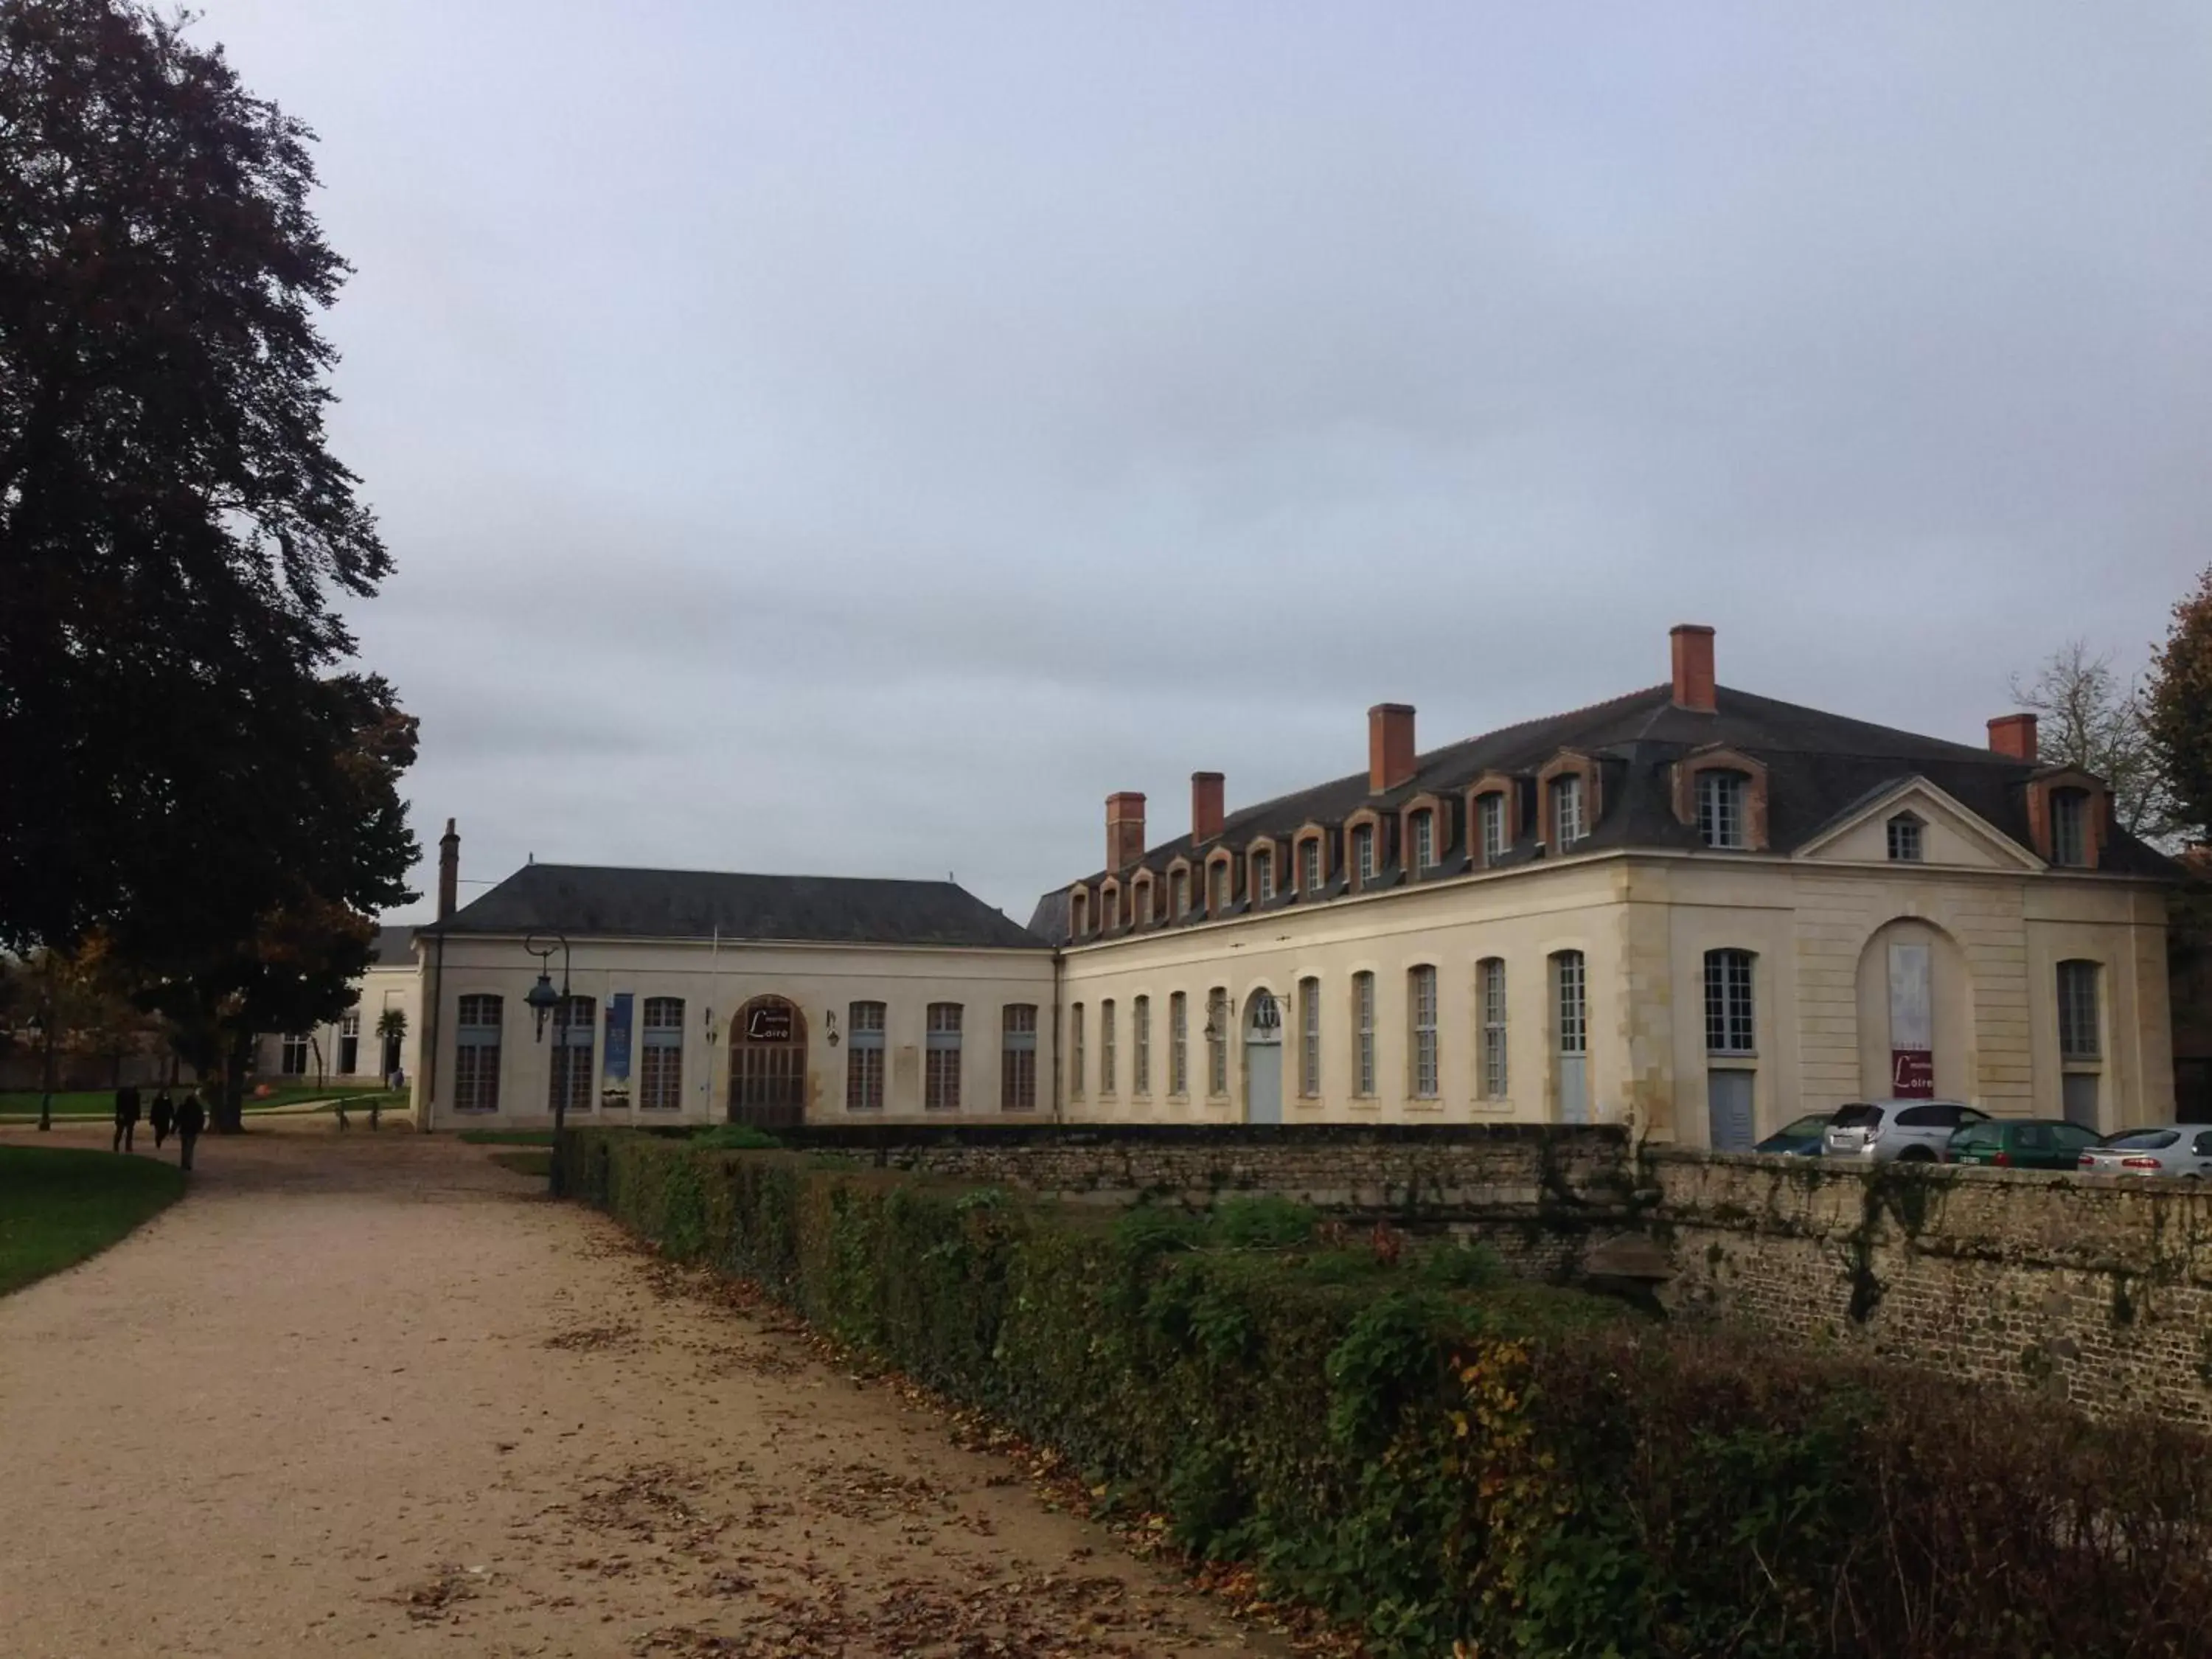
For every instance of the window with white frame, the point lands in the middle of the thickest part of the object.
(864, 1057)
(1217, 887)
(1178, 1045)
(292, 1055)
(2069, 826)
(1263, 875)
(1490, 825)
(1362, 1034)
(1140, 1046)
(1568, 823)
(1424, 857)
(574, 1029)
(1075, 1055)
(349, 1043)
(1106, 1047)
(1421, 999)
(1721, 808)
(940, 1077)
(2080, 1037)
(1569, 999)
(1018, 1058)
(1309, 1038)
(1489, 986)
(476, 1056)
(1730, 1026)
(1310, 866)
(660, 1054)
(1906, 845)
(1363, 850)
(1217, 1042)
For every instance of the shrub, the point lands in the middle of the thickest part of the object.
(1418, 1445)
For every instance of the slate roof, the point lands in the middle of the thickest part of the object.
(391, 947)
(1817, 764)
(604, 901)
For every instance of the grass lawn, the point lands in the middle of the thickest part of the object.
(58, 1205)
(507, 1137)
(101, 1103)
(530, 1163)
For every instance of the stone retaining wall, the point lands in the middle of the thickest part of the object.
(2093, 1289)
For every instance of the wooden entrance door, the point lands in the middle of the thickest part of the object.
(768, 1063)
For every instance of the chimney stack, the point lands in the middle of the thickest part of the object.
(1205, 807)
(449, 869)
(1389, 746)
(1693, 666)
(1125, 829)
(2013, 736)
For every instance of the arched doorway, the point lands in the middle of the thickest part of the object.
(768, 1063)
(1263, 1057)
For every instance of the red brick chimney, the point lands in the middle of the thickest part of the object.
(1389, 745)
(449, 871)
(1693, 666)
(2013, 736)
(1205, 807)
(1125, 828)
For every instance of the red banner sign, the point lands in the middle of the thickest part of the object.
(1912, 1074)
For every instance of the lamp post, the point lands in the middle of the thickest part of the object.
(543, 1000)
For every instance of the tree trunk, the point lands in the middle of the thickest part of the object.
(229, 1113)
(46, 1072)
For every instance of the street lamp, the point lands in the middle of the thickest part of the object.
(543, 1000)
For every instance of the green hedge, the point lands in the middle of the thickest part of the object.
(1440, 1456)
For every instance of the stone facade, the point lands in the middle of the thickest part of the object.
(2097, 1291)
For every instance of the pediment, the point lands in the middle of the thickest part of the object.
(1953, 834)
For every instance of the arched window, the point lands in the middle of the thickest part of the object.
(574, 1027)
(2069, 826)
(1310, 866)
(1106, 1047)
(1721, 808)
(1310, 1037)
(1906, 843)
(1144, 902)
(1018, 1057)
(864, 1057)
(1363, 850)
(1217, 1042)
(1490, 987)
(660, 1054)
(1178, 1045)
(1075, 1055)
(1112, 905)
(1362, 1034)
(941, 1075)
(1731, 1025)
(1078, 913)
(476, 1060)
(1421, 1006)
(1140, 1046)
(1217, 887)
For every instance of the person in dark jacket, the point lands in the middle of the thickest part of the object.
(192, 1118)
(126, 1115)
(162, 1115)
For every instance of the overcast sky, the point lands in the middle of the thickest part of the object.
(856, 438)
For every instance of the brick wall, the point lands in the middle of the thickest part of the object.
(2097, 1291)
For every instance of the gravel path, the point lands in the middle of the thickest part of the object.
(371, 1395)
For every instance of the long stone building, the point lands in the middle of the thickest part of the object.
(1691, 908)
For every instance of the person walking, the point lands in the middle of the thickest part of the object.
(192, 1118)
(126, 1115)
(162, 1115)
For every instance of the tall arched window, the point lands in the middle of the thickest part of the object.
(1421, 1007)
(1263, 875)
(1079, 914)
(1490, 987)
(1571, 1035)
(574, 1027)
(1217, 1041)
(660, 1054)
(1309, 1038)
(1362, 1034)
(1179, 895)
(475, 1058)
(1140, 1046)
(1310, 866)
(864, 1057)
(1018, 1057)
(1363, 851)
(1075, 1052)
(941, 1075)
(1106, 1047)
(1490, 825)
(1178, 1045)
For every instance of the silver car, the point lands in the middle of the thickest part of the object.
(2173, 1149)
(1896, 1131)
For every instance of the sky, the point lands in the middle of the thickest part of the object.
(857, 439)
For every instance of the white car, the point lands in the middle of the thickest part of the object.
(1896, 1131)
(2173, 1149)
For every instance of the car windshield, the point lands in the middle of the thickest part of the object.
(1977, 1134)
(1810, 1125)
(1856, 1115)
(2148, 1140)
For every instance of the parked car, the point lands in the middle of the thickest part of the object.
(2172, 1149)
(2035, 1143)
(1801, 1138)
(1894, 1130)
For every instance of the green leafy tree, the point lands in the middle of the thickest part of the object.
(173, 529)
(2179, 705)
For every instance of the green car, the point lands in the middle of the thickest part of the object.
(2035, 1143)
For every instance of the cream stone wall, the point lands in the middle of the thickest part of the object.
(820, 980)
(1818, 927)
(387, 985)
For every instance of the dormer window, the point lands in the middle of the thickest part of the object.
(1216, 888)
(1906, 845)
(1425, 842)
(1179, 894)
(1079, 914)
(1568, 823)
(1363, 850)
(1720, 809)
(1144, 904)
(1112, 906)
(2069, 827)
(1310, 868)
(1263, 875)
(1490, 825)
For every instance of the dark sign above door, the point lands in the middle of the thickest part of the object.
(1912, 1074)
(768, 1021)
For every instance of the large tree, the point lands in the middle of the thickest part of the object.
(175, 531)
(2089, 717)
(2179, 705)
